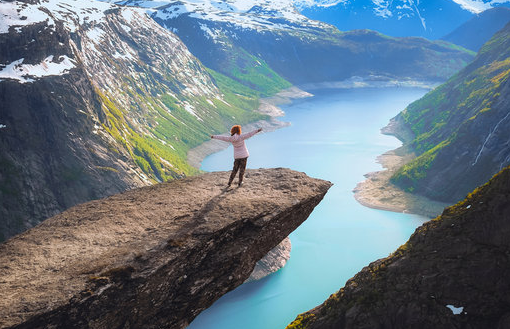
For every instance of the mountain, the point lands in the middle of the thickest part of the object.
(135, 260)
(430, 19)
(97, 99)
(452, 273)
(461, 129)
(479, 29)
(247, 40)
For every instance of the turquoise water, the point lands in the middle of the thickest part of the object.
(334, 135)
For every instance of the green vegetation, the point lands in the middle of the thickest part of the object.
(158, 131)
(409, 175)
(301, 320)
(441, 118)
(251, 72)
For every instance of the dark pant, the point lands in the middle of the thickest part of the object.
(239, 164)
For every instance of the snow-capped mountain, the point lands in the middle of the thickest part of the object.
(95, 99)
(237, 37)
(431, 19)
(256, 14)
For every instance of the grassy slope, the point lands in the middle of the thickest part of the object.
(160, 151)
(437, 118)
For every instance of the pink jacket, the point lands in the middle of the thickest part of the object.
(240, 150)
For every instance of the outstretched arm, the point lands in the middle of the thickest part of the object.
(250, 134)
(221, 138)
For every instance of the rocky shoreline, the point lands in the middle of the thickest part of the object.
(379, 193)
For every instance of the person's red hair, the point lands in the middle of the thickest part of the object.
(235, 130)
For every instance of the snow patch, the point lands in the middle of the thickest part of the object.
(127, 14)
(190, 109)
(19, 71)
(208, 32)
(15, 14)
(477, 6)
(72, 12)
(455, 310)
(317, 3)
(254, 14)
(127, 56)
(95, 35)
(172, 12)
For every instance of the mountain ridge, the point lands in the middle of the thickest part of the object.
(430, 19)
(290, 44)
(479, 29)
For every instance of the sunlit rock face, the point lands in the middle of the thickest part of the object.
(151, 257)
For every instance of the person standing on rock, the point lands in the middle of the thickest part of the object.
(241, 153)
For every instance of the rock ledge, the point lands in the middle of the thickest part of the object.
(151, 257)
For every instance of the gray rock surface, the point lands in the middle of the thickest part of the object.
(272, 261)
(153, 257)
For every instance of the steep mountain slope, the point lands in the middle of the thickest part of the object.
(452, 273)
(479, 29)
(247, 40)
(462, 128)
(97, 99)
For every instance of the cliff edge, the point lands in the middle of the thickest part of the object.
(452, 273)
(151, 257)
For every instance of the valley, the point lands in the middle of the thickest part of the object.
(107, 99)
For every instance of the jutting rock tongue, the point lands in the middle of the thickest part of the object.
(152, 257)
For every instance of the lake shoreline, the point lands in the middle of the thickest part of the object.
(268, 106)
(378, 192)
(271, 107)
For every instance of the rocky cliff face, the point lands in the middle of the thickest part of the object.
(97, 99)
(152, 257)
(452, 273)
(462, 128)
(248, 42)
